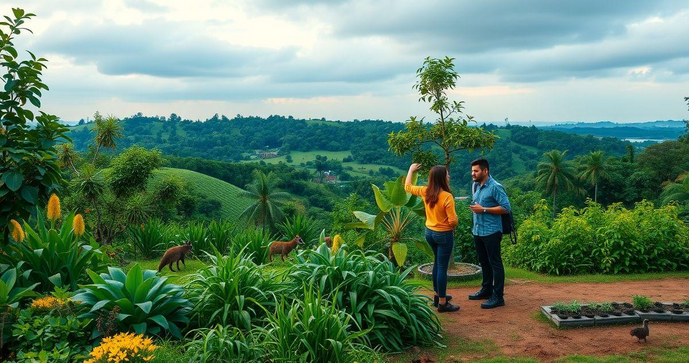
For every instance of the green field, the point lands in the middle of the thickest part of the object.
(212, 188)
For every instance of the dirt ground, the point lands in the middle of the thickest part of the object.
(517, 333)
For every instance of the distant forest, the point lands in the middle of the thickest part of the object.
(517, 150)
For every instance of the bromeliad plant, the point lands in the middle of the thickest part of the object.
(398, 210)
(55, 257)
(147, 303)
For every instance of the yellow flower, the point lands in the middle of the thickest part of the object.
(337, 242)
(17, 231)
(53, 207)
(123, 347)
(78, 224)
(47, 303)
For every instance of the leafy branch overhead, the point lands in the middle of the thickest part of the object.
(452, 131)
(29, 165)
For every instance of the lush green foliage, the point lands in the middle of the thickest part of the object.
(148, 239)
(56, 258)
(596, 240)
(312, 330)
(642, 302)
(145, 302)
(57, 336)
(254, 243)
(12, 293)
(231, 290)
(131, 170)
(373, 292)
(451, 132)
(223, 344)
(29, 165)
(267, 201)
(301, 226)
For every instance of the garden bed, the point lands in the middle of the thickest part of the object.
(576, 315)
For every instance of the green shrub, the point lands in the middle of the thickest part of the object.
(55, 258)
(312, 330)
(197, 234)
(605, 307)
(145, 302)
(596, 240)
(373, 292)
(300, 226)
(254, 242)
(223, 344)
(59, 337)
(231, 290)
(148, 239)
(642, 302)
(13, 290)
(220, 234)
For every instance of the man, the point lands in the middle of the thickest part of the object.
(489, 201)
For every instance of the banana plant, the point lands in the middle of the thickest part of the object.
(398, 209)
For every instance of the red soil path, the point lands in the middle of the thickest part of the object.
(517, 334)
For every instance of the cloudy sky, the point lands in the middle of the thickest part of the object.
(540, 60)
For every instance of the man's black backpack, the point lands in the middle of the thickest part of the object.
(507, 219)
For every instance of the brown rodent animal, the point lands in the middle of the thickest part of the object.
(175, 254)
(284, 248)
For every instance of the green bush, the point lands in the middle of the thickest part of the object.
(642, 302)
(231, 290)
(311, 330)
(373, 292)
(58, 337)
(300, 226)
(597, 240)
(143, 302)
(55, 258)
(197, 234)
(254, 242)
(220, 234)
(148, 239)
(223, 344)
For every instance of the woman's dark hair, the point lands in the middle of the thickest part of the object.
(437, 182)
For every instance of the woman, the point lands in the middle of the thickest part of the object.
(441, 220)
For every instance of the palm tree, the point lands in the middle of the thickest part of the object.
(594, 168)
(107, 130)
(678, 191)
(91, 185)
(266, 209)
(67, 156)
(555, 173)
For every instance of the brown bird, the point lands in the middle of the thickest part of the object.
(641, 333)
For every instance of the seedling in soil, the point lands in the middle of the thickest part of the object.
(605, 307)
(642, 302)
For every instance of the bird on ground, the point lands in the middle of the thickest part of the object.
(642, 332)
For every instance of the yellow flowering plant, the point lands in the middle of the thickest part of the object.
(57, 257)
(123, 347)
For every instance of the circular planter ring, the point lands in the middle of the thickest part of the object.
(425, 271)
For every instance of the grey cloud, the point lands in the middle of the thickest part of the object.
(145, 6)
(156, 48)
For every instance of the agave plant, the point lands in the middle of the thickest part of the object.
(369, 288)
(56, 258)
(397, 211)
(146, 302)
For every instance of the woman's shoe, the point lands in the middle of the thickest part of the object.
(447, 308)
(436, 299)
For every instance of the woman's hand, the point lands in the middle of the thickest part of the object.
(414, 167)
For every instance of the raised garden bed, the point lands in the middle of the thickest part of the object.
(576, 315)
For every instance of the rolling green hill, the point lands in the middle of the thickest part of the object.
(212, 188)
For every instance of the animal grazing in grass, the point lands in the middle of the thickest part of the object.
(284, 248)
(641, 333)
(175, 254)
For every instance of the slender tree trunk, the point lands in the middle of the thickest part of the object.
(595, 193)
(95, 156)
(554, 196)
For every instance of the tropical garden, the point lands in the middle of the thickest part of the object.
(83, 228)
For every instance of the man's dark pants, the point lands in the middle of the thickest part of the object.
(488, 251)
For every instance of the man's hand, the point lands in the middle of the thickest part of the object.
(476, 208)
(414, 167)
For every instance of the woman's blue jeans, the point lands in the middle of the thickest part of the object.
(442, 244)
